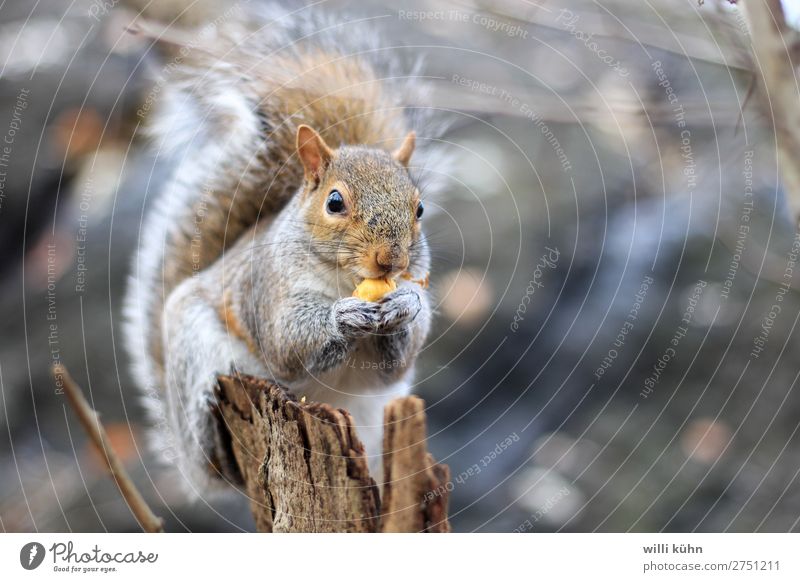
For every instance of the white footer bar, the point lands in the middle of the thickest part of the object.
(231, 557)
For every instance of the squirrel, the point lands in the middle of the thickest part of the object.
(293, 182)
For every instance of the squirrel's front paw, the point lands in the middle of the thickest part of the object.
(355, 316)
(398, 308)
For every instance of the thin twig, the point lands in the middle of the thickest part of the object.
(91, 423)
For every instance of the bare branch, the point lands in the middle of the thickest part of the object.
(774, 43)
(91, 423)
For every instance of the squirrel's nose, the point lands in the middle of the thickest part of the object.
(391, 259)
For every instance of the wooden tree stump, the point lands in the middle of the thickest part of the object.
(304, 469)
(415, 494)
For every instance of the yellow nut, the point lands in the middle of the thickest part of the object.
(374, 289)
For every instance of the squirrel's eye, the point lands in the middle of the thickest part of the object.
(420, 210)
(335, 204)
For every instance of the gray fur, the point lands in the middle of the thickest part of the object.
(230, 233)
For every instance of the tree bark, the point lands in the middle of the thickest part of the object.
(415, 489)
(304, 469)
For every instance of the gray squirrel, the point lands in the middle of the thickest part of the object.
(291, 183)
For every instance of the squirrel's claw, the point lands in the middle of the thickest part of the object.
(398, 308)
(355, 316)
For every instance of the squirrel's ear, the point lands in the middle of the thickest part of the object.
(403, 153)
(313, 151)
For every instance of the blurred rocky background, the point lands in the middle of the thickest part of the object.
(614, 266)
